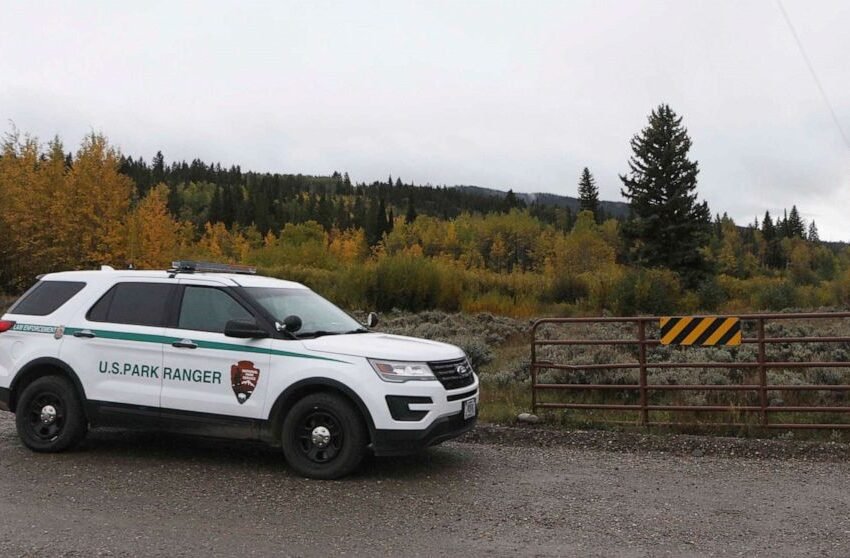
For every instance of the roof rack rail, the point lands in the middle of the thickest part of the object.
(189, 266)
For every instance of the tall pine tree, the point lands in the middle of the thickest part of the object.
(796, 226)
(588, 193)
(814, 236)
(410, 216)
(668, 225)
(773, 256)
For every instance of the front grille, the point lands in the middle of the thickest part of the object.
(447, 372)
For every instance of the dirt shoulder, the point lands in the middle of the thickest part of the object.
(673, 444)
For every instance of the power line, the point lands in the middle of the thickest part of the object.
(814, 74)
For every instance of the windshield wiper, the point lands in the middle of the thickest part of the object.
(358, 330)
(314, 334)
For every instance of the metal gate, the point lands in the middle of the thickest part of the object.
(757, 396)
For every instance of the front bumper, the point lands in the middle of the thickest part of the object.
(403, 442)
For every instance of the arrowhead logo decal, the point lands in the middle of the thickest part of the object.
(244, 378)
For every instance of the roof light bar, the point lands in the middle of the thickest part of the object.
(189, 266)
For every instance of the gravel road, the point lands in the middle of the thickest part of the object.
(138, 494)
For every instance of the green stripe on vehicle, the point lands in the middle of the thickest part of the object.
(166, 340)
(123, 335)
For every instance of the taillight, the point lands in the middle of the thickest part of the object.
(6, 325)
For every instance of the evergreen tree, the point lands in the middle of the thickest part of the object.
(510, 201)
(782, 226)
(158, 168)
(216, 212)
(410, 216)
(773, 256)
(796, 226)
(669, 225)
(718, 225)
(588, 194)
(813, 232)
(767, 228)
(358, 213)
(378, 223)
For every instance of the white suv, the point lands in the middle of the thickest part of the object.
(217, 351)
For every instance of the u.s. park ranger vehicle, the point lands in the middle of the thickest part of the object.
(219, 351)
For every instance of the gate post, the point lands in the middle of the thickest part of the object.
(762, 358)
(644, 413)
(534, 367)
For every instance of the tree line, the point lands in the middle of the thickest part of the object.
(396, 244)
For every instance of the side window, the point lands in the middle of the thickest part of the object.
(133, 304)
(46, 297)
(209, 309)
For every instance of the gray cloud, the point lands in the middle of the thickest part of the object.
(505, 94)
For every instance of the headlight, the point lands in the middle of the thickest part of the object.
(392, 371)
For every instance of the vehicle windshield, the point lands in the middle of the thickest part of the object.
(318, 316)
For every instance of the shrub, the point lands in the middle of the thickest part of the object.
(772, 294)
(407, 282)
(647, 291)
(711, 294)
(567, 288)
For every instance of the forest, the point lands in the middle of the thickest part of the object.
(394, 244)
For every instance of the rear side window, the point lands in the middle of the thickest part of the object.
(46, 297)
(142, 304)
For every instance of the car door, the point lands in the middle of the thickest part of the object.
(116, 347)
(203, 370)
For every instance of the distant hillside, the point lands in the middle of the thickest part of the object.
(613, 209)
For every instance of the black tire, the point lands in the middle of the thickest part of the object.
(347, 437)
(54, 398)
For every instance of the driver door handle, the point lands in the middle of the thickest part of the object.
(185, 344)
(85, 333)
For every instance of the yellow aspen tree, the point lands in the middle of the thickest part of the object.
(349, 246)
(55, 193)
(100, 196)
(153, 234)
(22, 211)
(241, 246)
(498, 253)
(214, 240)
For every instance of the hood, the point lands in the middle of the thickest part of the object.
(384, 346)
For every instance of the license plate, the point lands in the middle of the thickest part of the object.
(469, 409)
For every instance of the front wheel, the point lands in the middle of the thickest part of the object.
(324, 436)
(49, 415)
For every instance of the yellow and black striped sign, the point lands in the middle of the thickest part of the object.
(699, 330)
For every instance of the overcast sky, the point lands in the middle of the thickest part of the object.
(515, 95)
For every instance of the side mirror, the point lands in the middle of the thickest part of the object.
(244, 330)
(292, 323)
(371, 320)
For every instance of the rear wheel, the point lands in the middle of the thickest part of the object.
(49, 415)
(324, 436)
